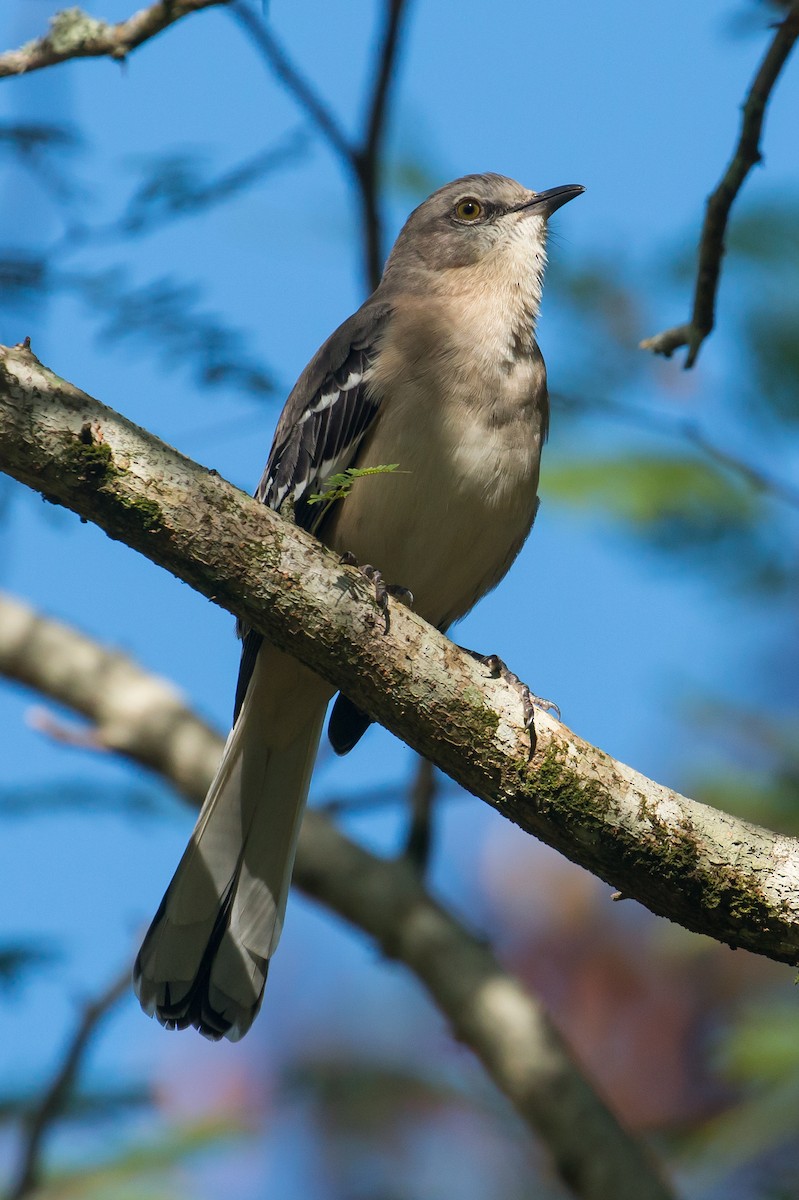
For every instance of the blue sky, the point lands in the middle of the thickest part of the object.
(637, 102)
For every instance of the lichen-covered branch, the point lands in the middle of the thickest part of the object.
(703, 868)
(144, 718)
(746, 155)
(75, 34)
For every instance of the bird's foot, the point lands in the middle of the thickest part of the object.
(530, 702)
(382, 590)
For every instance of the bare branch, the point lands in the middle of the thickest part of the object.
(57, 1095)
(698, 866)
(487, 1008)
(74, 34)
(747, 154)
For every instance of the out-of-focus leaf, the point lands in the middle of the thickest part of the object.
(746, 1132)
(764, 1044)
(660, 494)
(767, 798)
(37, 146)
(26, 138)
(23, 279)
(760, 737)
(19, 959)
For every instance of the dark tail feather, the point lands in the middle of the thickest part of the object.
(347, 725)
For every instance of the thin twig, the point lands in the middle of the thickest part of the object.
(711, 245)
(74, 34)
(55, 1099)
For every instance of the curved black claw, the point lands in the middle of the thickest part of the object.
(402, 594)
(530, 702)
(382, 589)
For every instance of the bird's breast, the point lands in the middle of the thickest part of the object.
(449, 521)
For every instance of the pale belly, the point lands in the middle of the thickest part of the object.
(449, 522)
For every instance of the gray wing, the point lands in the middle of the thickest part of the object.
(324, 420)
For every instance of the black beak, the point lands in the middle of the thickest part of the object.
(545, 203)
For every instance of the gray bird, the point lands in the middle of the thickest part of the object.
(439, 373)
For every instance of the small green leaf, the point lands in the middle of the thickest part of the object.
(338, 487)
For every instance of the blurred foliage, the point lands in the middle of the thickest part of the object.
(162, 316)
(673, 500)
(42, 148)
(153, 1168)
(89, 798)
(370, 1117)
(180, 183)
(101, 1104)
(18, 960)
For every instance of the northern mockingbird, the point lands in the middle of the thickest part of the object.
(438, 372)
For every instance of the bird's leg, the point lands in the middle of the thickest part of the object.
(382, 589)
(530, 702)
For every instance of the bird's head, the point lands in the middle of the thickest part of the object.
(478, 220)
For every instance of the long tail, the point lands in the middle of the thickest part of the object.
(205, 957)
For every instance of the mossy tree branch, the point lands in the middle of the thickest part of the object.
(705, 869)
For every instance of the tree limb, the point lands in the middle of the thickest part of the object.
(746, 155)
(74, 34)
(703, 868)
(487, 1008)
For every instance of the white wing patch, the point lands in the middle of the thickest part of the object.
(323, 439)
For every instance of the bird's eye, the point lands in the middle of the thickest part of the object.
(468, 209)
